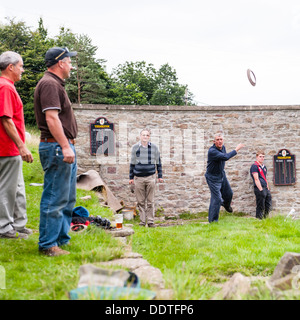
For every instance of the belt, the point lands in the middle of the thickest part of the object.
(72, 141)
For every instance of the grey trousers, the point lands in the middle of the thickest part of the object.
(144, 192)
(12, 194)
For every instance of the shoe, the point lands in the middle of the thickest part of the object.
(151, 225)
(13, 234)
(142, 224)
(54, 252)
(25, 230)
(228, 209)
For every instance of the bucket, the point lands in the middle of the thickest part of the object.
(129, 212)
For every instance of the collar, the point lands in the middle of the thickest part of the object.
(140, 144)
(7, 79)
(261, 165)
(54, 76)
(218, 148)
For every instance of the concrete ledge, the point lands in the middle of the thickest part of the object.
(183, 108)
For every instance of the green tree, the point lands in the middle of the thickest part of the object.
(139, 82)
(141, 74)
(14, 36)
(135, 83)
(127, 94)
(34, 62)
(168, 91)
(32, 46)
(88, 83)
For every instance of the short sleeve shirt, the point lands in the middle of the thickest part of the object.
(254, 168)
(11, 106)
(50, 94)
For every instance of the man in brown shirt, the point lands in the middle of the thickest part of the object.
(57, 123)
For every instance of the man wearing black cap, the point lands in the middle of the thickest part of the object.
(57, 123)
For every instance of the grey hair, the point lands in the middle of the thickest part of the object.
(219, 134)
(146, 129)
(7, 58)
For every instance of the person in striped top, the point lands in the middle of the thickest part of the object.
(145, 162)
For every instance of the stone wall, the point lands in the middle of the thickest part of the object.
(184, 135)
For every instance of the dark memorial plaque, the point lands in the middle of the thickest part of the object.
(102, 137)
(284, 168)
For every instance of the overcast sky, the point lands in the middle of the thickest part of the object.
(210, 44)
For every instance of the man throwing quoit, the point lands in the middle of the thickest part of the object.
(221, 193)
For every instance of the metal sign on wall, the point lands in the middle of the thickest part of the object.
(284, 168)
(102, 137)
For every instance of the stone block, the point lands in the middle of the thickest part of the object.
(286, 265)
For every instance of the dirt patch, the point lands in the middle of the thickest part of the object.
(176, 222)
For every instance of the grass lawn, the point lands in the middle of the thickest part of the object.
(30, 275)
(195, 258)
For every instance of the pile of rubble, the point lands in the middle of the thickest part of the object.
(135, 263)
(284, 282)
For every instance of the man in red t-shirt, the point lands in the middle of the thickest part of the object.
(13, 216)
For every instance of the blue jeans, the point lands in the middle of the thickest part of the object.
(59, 196)
(221, 194)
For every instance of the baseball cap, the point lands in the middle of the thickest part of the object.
(55, 54)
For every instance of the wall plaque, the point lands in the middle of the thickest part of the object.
(284, 168)
(102, 137)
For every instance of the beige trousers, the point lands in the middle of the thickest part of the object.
(144, 192)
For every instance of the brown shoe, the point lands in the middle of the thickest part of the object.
(54, 251)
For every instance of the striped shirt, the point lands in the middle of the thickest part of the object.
(145, 161)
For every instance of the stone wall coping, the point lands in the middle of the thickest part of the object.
(184, 108)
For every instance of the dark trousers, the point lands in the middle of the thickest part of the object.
(221, 194)
(263, 202)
